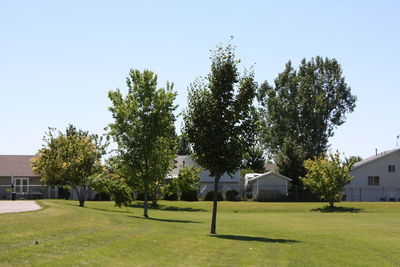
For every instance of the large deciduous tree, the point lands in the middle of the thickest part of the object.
(70, 159)
(301, 112)
(218, 120)
(327, 176)
(144, 131)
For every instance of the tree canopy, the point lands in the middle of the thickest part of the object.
(218, 120)
(327, 176)
(144, 131)
(301, 111)
(70, 159)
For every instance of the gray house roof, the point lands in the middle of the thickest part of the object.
(16, 165)
(256, 176)
(376, 157)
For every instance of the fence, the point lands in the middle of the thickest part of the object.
(372, 193)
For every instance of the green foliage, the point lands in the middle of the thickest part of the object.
(183, 145)
(327, 176)
(243, 172)
(188, 180)
(232, 195)
(116, 186)
(71, 159)
(171, 196)
(254, 160)
(144, 131)
(301, 112)
(189, 195)
(220, 117)
(210, 196)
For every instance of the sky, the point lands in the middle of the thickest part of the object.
(58, 59)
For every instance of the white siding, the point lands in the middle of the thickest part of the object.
(389, 182)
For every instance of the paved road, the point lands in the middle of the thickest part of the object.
(18, 206)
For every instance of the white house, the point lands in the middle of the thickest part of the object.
(266, 186)
(206, 181)
(376, 178)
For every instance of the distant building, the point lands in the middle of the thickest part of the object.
(376, 178)
(269, 186)
(17, 176)
(206, 181)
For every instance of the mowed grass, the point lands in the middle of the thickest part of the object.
(177, 234)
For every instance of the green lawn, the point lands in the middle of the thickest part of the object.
(249, 234)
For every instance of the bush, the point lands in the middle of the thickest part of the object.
(232, 195)
(189, 195)
(210, 196)
(140, 196)
(171, 196)
(102, 196)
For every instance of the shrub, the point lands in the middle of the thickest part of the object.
(189, 195)
(102, 196)
(140, 196)
(232, 195)
(210, 196)
(171, 196)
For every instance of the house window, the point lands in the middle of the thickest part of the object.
(21, 185)
(391, 168)
(373, 180)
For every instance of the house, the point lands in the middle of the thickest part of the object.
(17, 176)
(269, 186)
(376, 178)
(226, 182)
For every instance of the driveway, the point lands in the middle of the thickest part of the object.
(18, 206)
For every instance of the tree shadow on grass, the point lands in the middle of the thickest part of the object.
(255, 238)
(165, 207)
(338, 209)
(164, 220)
(92, 208)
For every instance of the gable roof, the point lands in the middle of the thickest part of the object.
(256, 176)
(376, 157)
(16, 165)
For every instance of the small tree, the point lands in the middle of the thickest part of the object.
(219, 120)
(144, 131)
(328, 176)
(111, 181)
(188, 180)
(71, 159)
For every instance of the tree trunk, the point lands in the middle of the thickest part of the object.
(154, 198)
(215, 203)
(81, 196)
(145, 204)
(331, 204)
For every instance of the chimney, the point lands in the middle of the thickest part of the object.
(376, 152)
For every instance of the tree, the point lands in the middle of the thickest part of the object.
(188, 180)
(218, 119)
(111, 182)
(72, 159)
(144, 131)
(301, 112)
(183, 145)
(327, 176)
(254, 160)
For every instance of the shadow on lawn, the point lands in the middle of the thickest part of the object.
(164, 220)
(338, 209)
(255, 238)
(165, 207)
(92, 208)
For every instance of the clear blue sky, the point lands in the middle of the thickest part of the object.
(58, 59)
